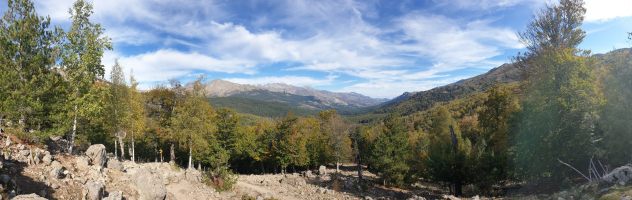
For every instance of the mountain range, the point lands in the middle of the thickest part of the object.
(277, 99)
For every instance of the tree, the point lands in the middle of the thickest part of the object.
(615, 115)
(555, 27)
(119, 107)
(81, 57)
(337, 131)
(137, 113)
(29, 49)
(492, 145)
(448, 151)
(558, 119)
(227, 130)
(390, 152)
(192, 124)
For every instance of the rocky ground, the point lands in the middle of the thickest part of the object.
(30, 172)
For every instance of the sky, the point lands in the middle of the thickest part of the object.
(372, 47)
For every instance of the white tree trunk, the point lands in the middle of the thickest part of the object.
(133, 150)
(74, 131)
(337, 167)
(115, 151)
(122, 147)
(190, 154)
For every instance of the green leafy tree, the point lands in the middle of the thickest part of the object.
(448, 151)
(337, 131)
(192, 123)
(227, 130)
(390, 152)
(492, 145)
(119, 107)
(29, 49)
(137, 123)
(81, 57)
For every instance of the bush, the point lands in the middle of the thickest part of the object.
(222, 179)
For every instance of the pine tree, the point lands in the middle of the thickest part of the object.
(390, 152)
(448, 151)
(29, 49)
(81, 57)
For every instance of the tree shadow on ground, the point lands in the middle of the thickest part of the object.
(368, 188)
(21, 183)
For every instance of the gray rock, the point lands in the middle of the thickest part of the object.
(149, 185)
(28, 197)
(308, 174)
(57, 171)
(193, 175)
(5, 179)
(93, 190)
(293, 180)
(114, 164)
(96, 155)
(47, 159)
(621, 175)
(82, 163)
(322, 170)
(116, 195)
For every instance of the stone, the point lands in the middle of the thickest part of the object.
(96, 155)
(193, 175)
(114, 164)
(116, 195)
(322, 170)
(308, 174)
(82, 163)
(621, 175)
(47, 159)
(5, 179)
(57, 171)
(293, 180)
(93, 190)
(149, 185)
(28, 197)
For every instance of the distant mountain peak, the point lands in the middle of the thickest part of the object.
(223, 88)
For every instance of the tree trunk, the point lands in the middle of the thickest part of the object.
(172, 156)
(458, 188)
(115, 151)
(74, 131)
(122, 147)
(190, 155)
(337, 167)
(133, 149)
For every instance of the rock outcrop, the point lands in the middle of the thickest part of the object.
(96, 155)
(149, 185)
(93, 190)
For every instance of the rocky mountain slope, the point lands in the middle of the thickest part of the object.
(283, 97)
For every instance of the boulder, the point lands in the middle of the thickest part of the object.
(193, 175)
(57, 171)
(28, 197)
(96, 155)
(293, 180)
(82, 163)
(93, 190)
(116, 195)
(621, 175)
(322, 170)
(114, 164)
(47, 159)
(308, 174)
(149, 185)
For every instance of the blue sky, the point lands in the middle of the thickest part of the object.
(376, 48)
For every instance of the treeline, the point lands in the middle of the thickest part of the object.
(570, 110)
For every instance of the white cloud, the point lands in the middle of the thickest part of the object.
(291, 80)
(165, 64)
(393, 88)
(604, 10)
(332, 37)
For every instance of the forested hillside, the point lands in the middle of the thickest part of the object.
(525, 128)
